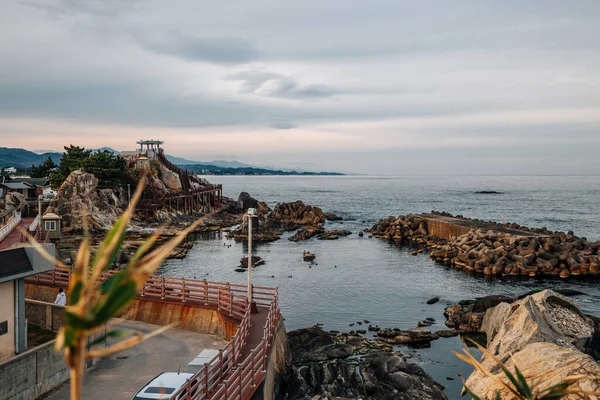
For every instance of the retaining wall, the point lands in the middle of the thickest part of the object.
(205, 319)
(279, 358)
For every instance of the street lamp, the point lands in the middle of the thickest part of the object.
(249, 216)
(128, 193)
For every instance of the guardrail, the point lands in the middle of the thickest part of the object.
(10, 225)
(36, 222)
(236, 372)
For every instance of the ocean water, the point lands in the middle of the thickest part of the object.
(353, 278)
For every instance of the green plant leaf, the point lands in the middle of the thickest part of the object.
(114, 238)
(116, 300)
(470, 393)
(74, 293)
(114, 334)
(112, 283)
(526, 390)
(76, 322)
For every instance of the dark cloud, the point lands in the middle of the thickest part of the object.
(219, 50)
(273, 84)
(282, 123)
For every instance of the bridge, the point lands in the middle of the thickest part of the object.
(241, 366)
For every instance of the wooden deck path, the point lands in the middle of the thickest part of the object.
(15, 236)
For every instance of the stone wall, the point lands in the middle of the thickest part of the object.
(45, 315)
(279, 358)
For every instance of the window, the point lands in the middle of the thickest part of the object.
(50, 225)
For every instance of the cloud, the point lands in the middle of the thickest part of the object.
(273, 84)
(282, 123)
(219, 50)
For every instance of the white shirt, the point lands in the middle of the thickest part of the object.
(61, 299)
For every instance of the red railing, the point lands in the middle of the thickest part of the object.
(226, 376)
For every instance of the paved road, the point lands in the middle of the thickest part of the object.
(121, 376)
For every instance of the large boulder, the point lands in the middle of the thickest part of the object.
(245, 201)
(170, 179)
(79, 197)
(545, 336)
(299, 213)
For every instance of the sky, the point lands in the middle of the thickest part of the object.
(370, 87)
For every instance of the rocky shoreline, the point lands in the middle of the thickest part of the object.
(498, 252)
(328, 365)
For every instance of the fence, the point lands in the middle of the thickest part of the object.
(10, 225)
(237, 371)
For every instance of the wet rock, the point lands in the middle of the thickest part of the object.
(322, 368)
(433, 300)
(298, 213)
(333, 234)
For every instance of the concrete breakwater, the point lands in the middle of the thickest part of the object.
(494, 249)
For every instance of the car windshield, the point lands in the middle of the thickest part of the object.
(159, 390)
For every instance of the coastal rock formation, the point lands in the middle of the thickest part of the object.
(245, 201)
(328, 365)
(14, 200)
(307, 232)
(334, 234)
(299, 213)
(467, 315)
(500, 252)
(545, 335)
(79, 196)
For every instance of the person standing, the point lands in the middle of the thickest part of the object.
(61, 298)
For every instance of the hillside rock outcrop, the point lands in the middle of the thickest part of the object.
(546, 336)
(79, 197)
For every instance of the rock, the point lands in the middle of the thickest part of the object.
(333, 234)
(540, 333)
(256, 261)
(245, 201)
(322, 367)
(467, 315)
(448, 333)
(297, 213)
(79, 196)
(433, 300)
(424, 323)
(307, 232)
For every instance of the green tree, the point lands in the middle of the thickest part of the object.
(72, 159)
(107, 167)
(43, 170)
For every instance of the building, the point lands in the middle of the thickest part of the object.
(27, 190)
(15, 265)
(41, 185)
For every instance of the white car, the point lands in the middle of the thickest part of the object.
(164, 386)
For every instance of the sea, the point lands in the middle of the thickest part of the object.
(359, 278)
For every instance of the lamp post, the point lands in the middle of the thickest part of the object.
(251, 213)
(128, 193)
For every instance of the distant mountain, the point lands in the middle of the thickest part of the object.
(180, 160)
(209, 169)
(21, 158)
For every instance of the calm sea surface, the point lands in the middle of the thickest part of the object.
(357, 278)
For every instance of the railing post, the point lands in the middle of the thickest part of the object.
(162, 295)
(230, 300)
(205, 292)
(183, 290)
(252, 368)
(220, 364)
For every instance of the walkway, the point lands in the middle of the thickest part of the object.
(121, 376)
(15, 236)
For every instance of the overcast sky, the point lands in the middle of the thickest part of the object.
(375, 87)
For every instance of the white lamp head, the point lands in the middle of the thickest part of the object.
(252, 212)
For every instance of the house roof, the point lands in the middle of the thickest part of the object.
(33, 181)
(22, 262)
(16, 185)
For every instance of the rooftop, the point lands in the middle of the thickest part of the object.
(16, 185)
